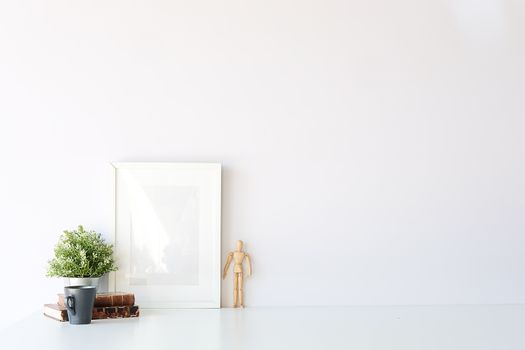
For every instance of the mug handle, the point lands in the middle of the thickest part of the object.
(70, 304)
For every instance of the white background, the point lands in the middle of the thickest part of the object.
(372, 151)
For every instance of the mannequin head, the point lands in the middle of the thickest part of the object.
(239, 245)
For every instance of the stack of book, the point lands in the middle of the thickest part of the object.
(107, 305)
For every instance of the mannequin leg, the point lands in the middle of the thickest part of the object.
(241, 292)
(235, 290)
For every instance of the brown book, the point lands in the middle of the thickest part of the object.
(56, 312)
(59, 313)
(108, 299)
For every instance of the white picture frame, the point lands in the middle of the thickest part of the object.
(167, 234)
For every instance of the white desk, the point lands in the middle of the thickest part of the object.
(392, 327)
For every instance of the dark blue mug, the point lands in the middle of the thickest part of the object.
(79, 302)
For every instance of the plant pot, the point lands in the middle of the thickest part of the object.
(87, 281)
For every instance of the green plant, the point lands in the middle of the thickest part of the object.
(80, 253)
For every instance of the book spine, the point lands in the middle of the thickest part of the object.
(115, 300)
(103, 300)
(100, 313)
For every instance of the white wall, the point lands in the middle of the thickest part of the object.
(372, 150)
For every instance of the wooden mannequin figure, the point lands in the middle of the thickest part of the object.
(238, 257)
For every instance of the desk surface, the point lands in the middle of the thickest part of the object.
(379, 327)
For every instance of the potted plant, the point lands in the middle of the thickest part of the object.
(81, 257)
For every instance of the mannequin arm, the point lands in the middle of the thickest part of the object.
(227, 265)
(249, 265)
